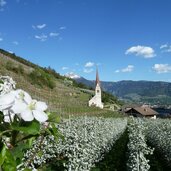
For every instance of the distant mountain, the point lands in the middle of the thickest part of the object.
(154, 92)
(85, 81)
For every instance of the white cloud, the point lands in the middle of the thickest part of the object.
(129, 68)
(163, 46)
(41, 26)
(168, 49)
(34, 27)
(89, 64)
(162, 68)
(42, 37)
(88, 70)
(62, 28)
(1, 39)
(53, 34)
(117, 71)
(145, 51)
(2, 3)
(65, 68)
(15, 42)
(11, 52)
(72, 75)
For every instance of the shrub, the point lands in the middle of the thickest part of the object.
(41, 78)
(17, 69)
(9, 65)
(20, 69)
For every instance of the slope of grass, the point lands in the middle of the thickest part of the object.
(61, 98)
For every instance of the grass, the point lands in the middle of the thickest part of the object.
(116, 159)
(157, 162)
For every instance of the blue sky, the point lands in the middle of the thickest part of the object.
(126, 39)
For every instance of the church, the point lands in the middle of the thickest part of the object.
(97, 99)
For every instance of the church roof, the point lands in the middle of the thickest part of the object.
(97, 77)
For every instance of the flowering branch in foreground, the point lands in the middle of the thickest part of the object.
(18, 102)
(22, 119)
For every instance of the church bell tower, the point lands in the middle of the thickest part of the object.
(97, 99)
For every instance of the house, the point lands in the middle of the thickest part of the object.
(97, 99)
(142, 112)
(127, 107)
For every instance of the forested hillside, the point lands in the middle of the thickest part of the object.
(155, 92)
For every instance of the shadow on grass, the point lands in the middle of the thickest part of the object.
(157, 162)
(116, 159)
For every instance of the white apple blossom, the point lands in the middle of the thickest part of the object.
(35, 110)
(8, 116)
(29, 109)
(20, 103)
(7, 84)
(7, 100)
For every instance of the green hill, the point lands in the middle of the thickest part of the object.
(63, 95)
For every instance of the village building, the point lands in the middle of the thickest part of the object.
(97, 99)
(142, 112)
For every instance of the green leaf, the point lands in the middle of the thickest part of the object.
(30, 141)
(32, 128)
(7, 160)
(53, 117)
(27, 169)
(18, 151)
(54, 131)
(1, 116)
(2, 155)
(4, 126)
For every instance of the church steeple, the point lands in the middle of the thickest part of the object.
(97, 99)
(97, 77)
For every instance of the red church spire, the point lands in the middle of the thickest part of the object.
(97, 77)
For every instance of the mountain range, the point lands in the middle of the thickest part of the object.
(151, 92)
